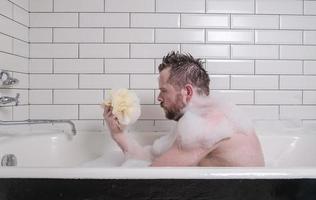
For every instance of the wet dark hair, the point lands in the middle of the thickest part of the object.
(185, 69)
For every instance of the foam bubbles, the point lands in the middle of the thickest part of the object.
(208, 120)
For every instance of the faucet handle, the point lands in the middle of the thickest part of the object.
(17, 99)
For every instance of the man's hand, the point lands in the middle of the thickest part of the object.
(112, 121)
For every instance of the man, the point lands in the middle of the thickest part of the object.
(181, 78)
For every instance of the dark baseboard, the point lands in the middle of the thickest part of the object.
(182, 189)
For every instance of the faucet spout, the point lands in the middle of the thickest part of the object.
(41, 121)
(73, 127)
(44, 121)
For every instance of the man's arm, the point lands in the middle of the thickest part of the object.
(116, 129)
(177, 156)
(128, 145)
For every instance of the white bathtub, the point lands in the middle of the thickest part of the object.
(94, 155)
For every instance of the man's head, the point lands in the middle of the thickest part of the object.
(181, 77)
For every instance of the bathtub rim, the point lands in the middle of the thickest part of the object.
(159, 173)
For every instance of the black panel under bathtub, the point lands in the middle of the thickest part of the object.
(91, 189)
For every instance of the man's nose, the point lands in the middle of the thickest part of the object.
(159, 98)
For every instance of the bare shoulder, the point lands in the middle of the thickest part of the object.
(239, 150)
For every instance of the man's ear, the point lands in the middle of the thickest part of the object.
(188, 92)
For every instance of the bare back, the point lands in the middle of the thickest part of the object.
(240, 150)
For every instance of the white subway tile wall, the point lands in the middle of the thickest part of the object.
(41, 5)
(204, 21)
(298, 22)
(261, 54)
(254, 51)
(279, 7)
(21, 15)
(53, 81)
(20, 48)
(207, 50)
(14, 56)
(77, 35)
(128, 35)
(6, 8)
(278, 37)
(220, 81)
(278, 97)
(230, 36)
(104, 20)
(21, 3)
(77, 96)
(230, 66)
(78, 5)
(54, 111)
(72, 66)
(255, 21)
(54, 51)
(6, 43)
(131, 66)
(129, 6)
(296, 52)
(237, 96)
(180, 36)
(179, 6)
(279, 67)
(41, 66)
(309, 97)
(13, 28)
(310, 7)
(155, 20)
(310, 37)
(104, 51)
(230, 6)
(310, 67)
(254, 82)
(41, 35)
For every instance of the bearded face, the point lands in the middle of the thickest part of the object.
(173, 109)
(170, 97)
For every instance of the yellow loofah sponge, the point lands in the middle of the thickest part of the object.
(125, 104)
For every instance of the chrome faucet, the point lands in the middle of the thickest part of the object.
(9, 81)
(6, 99)
(41, 121)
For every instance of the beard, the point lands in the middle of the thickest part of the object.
(174, 111)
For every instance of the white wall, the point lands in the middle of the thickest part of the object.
(260, 53)
(14, 55)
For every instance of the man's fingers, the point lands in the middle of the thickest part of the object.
(109, 116)
(111, 120)
(107, 111)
